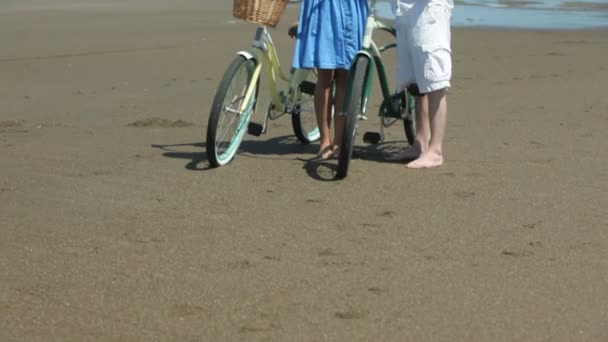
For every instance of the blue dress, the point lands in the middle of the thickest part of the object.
(330, 32)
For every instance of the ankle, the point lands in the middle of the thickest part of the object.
(435, 152)
(423, 148)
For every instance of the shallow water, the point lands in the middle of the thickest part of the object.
(535, 14)
(547, 14)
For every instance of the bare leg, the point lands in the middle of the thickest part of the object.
(323, 103)
(423, 132)
(438, 110)
(339, 119)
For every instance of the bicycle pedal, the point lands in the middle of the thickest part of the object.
(255, 129)
(362, 117)
(308, 87)
(371, 138)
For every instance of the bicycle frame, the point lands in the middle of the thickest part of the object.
(237, 97)
(263, 51)
(372, 52)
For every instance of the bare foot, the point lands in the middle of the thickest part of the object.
(410, 153)
(426, 160)
(327, 152)
(335, 153)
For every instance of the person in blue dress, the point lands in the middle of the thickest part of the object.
(328, 35)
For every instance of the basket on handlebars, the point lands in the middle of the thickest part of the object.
(263, 12)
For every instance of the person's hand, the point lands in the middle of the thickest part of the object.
(293, 30)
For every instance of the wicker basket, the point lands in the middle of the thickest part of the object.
(263, 12)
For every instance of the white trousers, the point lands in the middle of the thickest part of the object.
(423, 47)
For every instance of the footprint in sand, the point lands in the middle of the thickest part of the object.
(271, 258)
(464, 194)
(522, 253)
(156, 122)
(532, 225)
(12, 126)
(377, 290)
(388, 213)
(49, 125)
(168, 83)
(350, 314)
(328, 252)
(256, 327)
(239, 265)
(537, 144)
(541, 161)
(185, 310)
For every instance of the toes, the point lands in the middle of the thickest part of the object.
(325, 152)
(336, 152)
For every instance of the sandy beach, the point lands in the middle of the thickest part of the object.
(114, 228)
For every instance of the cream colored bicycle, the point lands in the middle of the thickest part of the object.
(236, 98)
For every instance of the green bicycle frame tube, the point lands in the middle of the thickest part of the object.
(371, 50)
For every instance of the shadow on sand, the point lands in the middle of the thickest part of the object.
(279, 148)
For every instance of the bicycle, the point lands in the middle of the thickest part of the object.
(394, 107)
(235, 101)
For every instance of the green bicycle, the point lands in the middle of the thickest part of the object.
(236, 100)
(395, 107)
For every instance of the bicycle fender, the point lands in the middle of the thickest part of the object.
(245, 54)
(365, 54)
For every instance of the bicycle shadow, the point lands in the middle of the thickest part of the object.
(273, 148)
(195, 158)
(325, 170)
(379, 153)
(282, 146)
(279, 146)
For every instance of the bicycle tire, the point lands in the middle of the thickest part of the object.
(354, 108)
(303, 116)
(304, 135)
(407, 116)
(409, 123)
(226, 103)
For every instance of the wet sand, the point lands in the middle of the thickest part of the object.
(113, 228)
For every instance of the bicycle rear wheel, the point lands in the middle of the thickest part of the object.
(409, 117)
(229, 113)
(405, 101)
(355, 106)
(303, 117)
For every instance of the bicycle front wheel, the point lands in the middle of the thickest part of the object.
(355, 106)
(231, 111)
